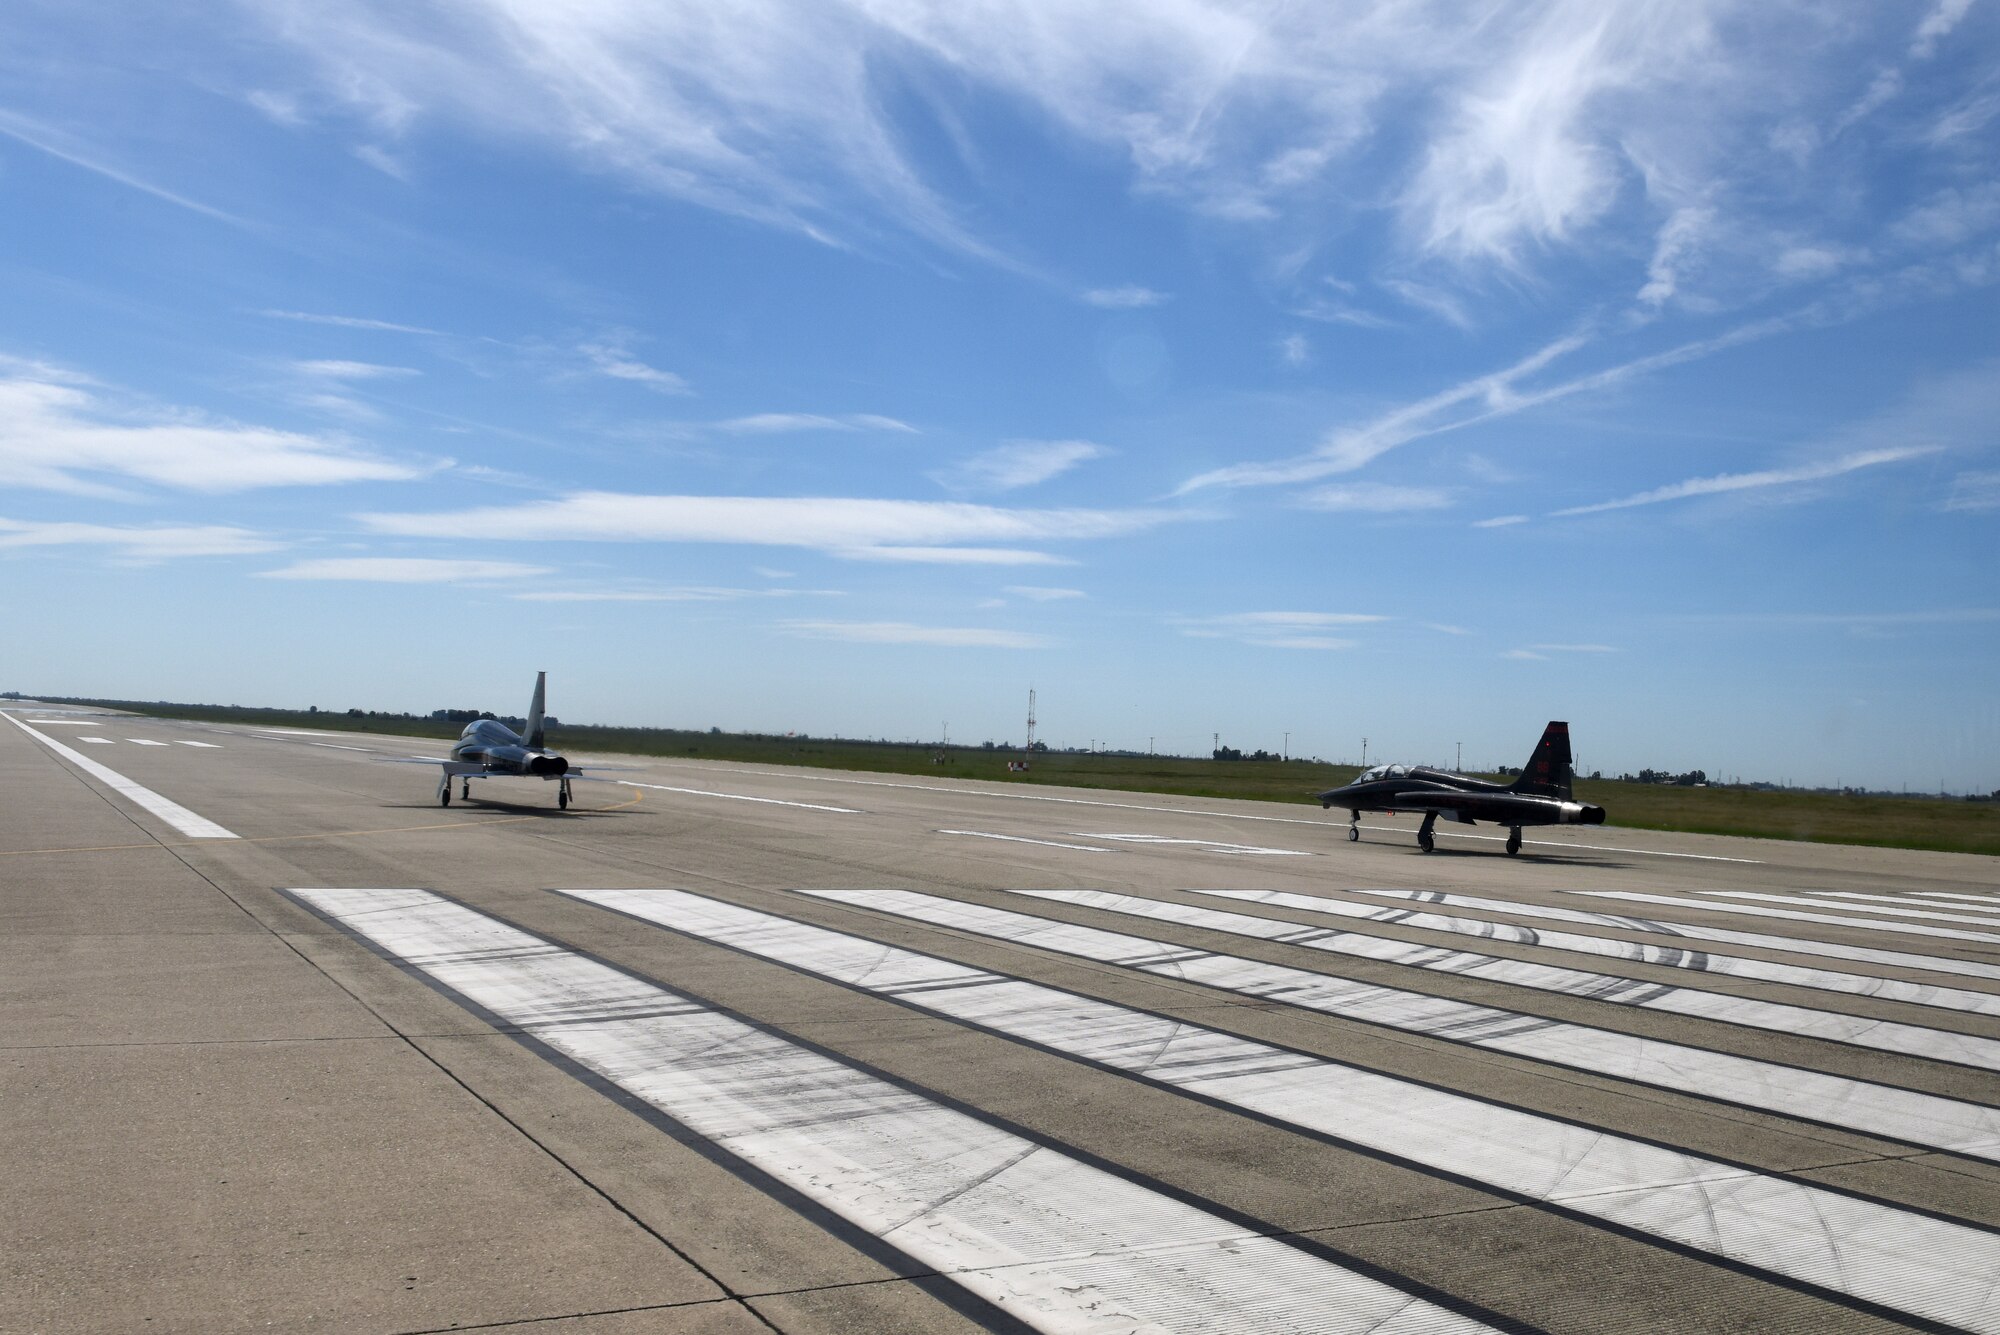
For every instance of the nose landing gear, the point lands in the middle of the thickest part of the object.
(1354, 828)
(1513, 839)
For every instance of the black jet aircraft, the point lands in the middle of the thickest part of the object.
(490, 749)
(1540, 796)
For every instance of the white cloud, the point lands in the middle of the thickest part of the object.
(382, 160)
(1436, 300)
(1377, 498)
(139, 543)
(1500, 521)
(1770, 477)
(690, 594)
(1277, 630)
(1975, 492)
(1294, 350)
(347, 322)
(1673, 251)
(405, 570)
(1038, 594)
(57, 436)
(1817, 261)
(775, 423)
(59, 145)
(343, 370)
(1937, 24)
(953, 556)
(611, 360)
(902, 632)
(1525, 655)
(1574, 648)
(868, 529)
(1124, 298)
(1021, 463)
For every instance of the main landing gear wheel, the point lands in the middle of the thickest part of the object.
(1514, 841)
(562, 795)
(444, 793)
(465, 790)
(1424, 840)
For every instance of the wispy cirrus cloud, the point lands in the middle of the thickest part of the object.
(863, 529)
(612, 360)
(1540, 653)
(1723, 483)
(1020, 463)
(58, 434)
(903, 632)
(348, 322)
(765, 424)
(1124, 298)
(1040, 594)
(1277, 630)
(406, 570)
(685, 594)
(60, 144)
(140, 543)
(1377, 498)
(1974, 492)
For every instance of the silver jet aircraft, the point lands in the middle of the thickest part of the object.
(490, 749)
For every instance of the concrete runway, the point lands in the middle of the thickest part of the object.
(730, 1049)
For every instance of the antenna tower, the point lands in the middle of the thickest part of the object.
(1031, 721)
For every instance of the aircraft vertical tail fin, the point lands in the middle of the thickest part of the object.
(533, 734)
(1548, 771)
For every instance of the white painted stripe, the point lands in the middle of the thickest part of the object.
(1218, 815)
(1861, 1248)
(184, 742)
(141, 741)
(1693, 931)
(336, 746)
(736, 797)
(1922, 1119)
(1663, 954)
(1206, 845)
(1925, 899)
(66, 722)
(1017, 839)
(1793, 915)
(97, 741)
(1928, 915)
(1986, 901)
(1058, 1243)
(173, 813)
(1886, 1035)
(297, 732)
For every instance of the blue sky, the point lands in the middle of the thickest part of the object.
(1416, 372)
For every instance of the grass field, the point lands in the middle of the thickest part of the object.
(1889, 822)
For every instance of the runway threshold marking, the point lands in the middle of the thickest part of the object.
(142, 741)
(98, 741)
(1933, 913)
(1612, 989)
(1853, 1246)
(1057, 1241)
(173, 813)
(1794, 915)
(1665, 955)
(737, 797)
(1019, 839)
(1697, 932)
(1224, 815)
(1954, 1125)
(181, 741)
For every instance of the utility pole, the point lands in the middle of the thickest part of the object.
(1287, 752)
(1460, 766)
(1031, 723)
(1364, 753)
